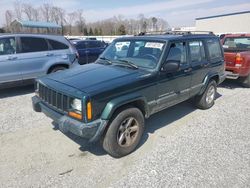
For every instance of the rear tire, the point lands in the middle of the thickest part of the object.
(206, 100)
(57, 69)
(124, 133)
(245, 81)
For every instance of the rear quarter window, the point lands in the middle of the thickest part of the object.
(214, 50)
(55, 45)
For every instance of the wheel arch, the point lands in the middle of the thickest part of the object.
(57, 65)
(207, 79)
(123, 102)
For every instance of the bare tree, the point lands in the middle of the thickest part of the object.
(28, 10)
(71, 18)
(80, 21)
(46, 12)
(18, 10)
(154, 22)
(8, 19)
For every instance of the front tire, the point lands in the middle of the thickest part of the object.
(124, 132)
(206, 100)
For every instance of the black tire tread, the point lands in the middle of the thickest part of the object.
(200, 100)
(108, 144)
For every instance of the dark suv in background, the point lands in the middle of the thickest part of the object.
(88, 50)
(24, 57)
(134, 78)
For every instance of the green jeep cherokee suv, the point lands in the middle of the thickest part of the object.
(134, 78)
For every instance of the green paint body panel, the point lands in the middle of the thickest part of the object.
(109, 87)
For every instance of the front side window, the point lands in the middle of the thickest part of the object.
(197, 51)
(142, 53)
(7, 46)
(33, 44)
(177, 52)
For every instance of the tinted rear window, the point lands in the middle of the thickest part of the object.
(55, 45)
(238, 44)
(33, 44)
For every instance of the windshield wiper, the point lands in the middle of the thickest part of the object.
(126, 62)
(106, 59)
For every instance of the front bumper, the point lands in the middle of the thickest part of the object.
(91, 131)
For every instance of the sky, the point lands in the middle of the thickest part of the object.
(176, 12)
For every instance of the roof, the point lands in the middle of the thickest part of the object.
(36, 24)
(166, 37)
(222, 15)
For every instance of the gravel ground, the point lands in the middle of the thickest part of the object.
(181, 147)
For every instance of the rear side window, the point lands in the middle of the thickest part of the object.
(7, 46)
(214, 49)
(94, 44)
(55, 45)
(197, 51)
(33, 44)
(80, 45)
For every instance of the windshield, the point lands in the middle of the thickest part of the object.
(237, 44)
(139, 53)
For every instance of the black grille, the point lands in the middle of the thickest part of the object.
(54, 98)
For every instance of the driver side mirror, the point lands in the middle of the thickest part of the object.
(170, 66)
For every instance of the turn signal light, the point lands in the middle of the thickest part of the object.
(75, 115)
(89, 110)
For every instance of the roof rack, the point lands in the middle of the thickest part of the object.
(176, 32)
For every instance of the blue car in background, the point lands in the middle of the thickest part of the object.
(24, 57)
(88, 50)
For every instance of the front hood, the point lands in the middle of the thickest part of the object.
(97, 77)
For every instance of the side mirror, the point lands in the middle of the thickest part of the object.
(170, 66)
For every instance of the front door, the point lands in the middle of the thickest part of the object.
(175, 87)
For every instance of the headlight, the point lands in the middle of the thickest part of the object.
(76, 105)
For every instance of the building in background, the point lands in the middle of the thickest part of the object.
(35, 27)
(238, 22)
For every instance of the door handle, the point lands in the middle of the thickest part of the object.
(188, 70)
(48, 54)
(205, 64)
(11, 57)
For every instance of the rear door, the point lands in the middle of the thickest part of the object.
(34, 53)
(95, 48)
(199, 63)
(82, 51)
(9, 62)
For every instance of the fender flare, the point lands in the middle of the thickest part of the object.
(118, 102)
(206, 81)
